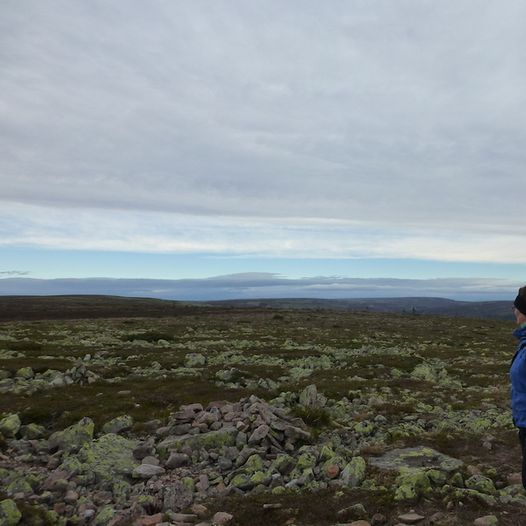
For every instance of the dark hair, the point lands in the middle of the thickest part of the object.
(520, 300)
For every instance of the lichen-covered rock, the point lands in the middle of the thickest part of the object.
(10, 425)
(354, 472)
(474, 495)
(364, 428)
(25, 372)
(482, 484)
(284, 464)
(103, 459)
(9, 513)
(194, 360)
(118, 424)
(241, 481)
(411, 484)
(415, 457)
(331, 467)
(19, 485)
(73, 437)
(104, 516)
(310, 397)
(254, 463)
(487, 520)
(225, 436)
(259, 477)
(146, 471)
(307, 460)
(228, 375)
(33, 431)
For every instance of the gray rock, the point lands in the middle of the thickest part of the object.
(10, 425)
(225, 436)
(309, 397)
(73, 437)
(146, 471)
(411, 518)
(118, 424)
(176, 496)
(194, 360)
(415, 457)
(221, 518)
(153, 461)
(176, 460)
(143, 449)
(487, 520)
(259, 434)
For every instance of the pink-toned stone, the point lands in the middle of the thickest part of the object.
(149, 520)
(332, 471)
(514, 478)
(411, 518)
(200, 510)
(221, 518)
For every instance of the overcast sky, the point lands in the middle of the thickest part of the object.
(271, 130)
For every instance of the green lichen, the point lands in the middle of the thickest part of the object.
(104, 516)
(10, 425)
(354, 472)
(10, 515)
(73, 437)
(411, 484)
(103, 459)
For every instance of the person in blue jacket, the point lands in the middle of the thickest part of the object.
(518, 375)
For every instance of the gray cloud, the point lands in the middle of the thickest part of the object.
(267, 285)
(11, 273)
(390, 115)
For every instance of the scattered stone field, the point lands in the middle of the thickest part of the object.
(258, 416)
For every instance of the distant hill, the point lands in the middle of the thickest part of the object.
(431, 306)
(87, 306)
(97, 306)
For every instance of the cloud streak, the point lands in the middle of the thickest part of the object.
(12, 273)
(163, 233)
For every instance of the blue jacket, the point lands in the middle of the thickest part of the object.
(518, 379)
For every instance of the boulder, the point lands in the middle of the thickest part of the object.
(118, 425)
(487, 520)
(482, 484)
(225, 436)
(73, 437)
(415, 457)
(411, 484)
(146, 471)
(103, 460)
(9, 513)
(10, 425)
(353, 473)
(25, 372)
(194, 360)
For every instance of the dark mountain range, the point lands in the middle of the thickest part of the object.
(99, 306)
(417, 305)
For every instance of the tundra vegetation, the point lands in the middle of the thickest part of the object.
(258, 416)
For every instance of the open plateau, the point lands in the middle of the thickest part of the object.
(182, 414)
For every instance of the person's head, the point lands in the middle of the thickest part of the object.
(520, 306)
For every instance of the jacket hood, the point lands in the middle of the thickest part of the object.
(520, 332)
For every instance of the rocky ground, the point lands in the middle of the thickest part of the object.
(258, 416)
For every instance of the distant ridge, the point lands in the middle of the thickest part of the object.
(416, 305)
(100, 306)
